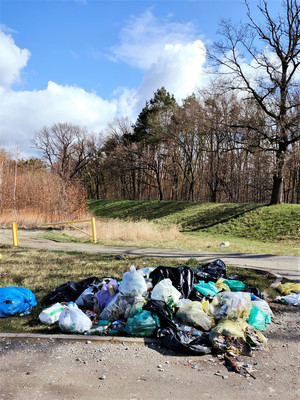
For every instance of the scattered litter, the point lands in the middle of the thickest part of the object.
(224, 244)
(291, 299)
(288, 288)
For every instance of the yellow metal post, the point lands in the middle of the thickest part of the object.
(15, 233)
(94, 230)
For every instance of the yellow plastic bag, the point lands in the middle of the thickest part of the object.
(230, 328)
(192, 314)
(221, 285)
(288, 288)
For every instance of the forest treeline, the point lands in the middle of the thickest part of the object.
(172, 152)
(190, 152)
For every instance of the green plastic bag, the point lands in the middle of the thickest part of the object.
(207, 289)
(235, 286)
(259, 319)
(143, 323)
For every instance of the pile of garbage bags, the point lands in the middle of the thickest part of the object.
(191, 311)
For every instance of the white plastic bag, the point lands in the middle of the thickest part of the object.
(133, 283)
(146, 271)
(51, 314)
(291, 299)
(72, 319)
(164, 290)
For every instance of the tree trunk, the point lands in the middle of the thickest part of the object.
(277, 191)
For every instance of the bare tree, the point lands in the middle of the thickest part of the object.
(64, 147)
(270, 78)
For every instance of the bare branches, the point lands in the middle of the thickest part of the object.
(65, 147)
(268, 75)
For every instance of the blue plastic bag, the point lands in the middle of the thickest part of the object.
(15, 300)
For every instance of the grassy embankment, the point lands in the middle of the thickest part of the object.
(249, 228)
(42, 271)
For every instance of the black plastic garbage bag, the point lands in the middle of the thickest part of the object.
(195, 295)
(182, 278)
(163, 311)
(211, 271)
(256, 292)
(184, 343)
(70, 291)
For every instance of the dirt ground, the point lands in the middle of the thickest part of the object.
(65, 369)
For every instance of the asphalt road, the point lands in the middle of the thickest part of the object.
(287, 266)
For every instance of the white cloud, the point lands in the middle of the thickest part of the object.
(169, 53)
(180, 69)
(13, 60)
(144, 38)
(24, 112)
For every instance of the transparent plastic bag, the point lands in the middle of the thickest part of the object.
(262, 305)
(192, 314)
(231, 305)
(291, 299)
(230, 328)
(121, 306)
(86, 299)
(165, 291)
(133, 283)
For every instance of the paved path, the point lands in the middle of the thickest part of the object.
(287, 266)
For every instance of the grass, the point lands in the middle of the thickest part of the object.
(248, 227)
(42, 271)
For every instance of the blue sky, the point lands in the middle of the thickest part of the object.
(87, 62)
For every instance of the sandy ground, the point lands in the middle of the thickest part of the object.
(64, 369)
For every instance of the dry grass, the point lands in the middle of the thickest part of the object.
(31, 219)
(129, 231)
